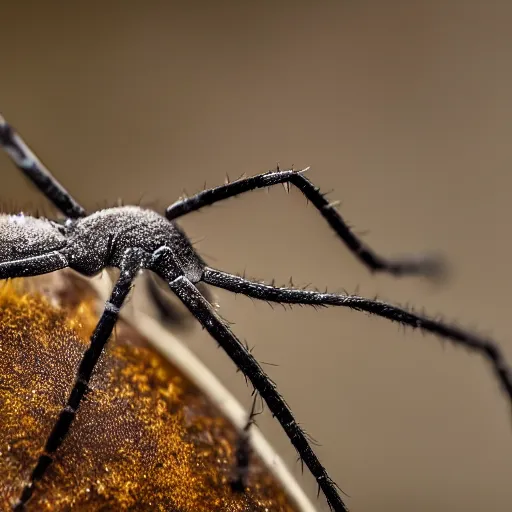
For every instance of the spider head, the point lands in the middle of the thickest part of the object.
(22, 236)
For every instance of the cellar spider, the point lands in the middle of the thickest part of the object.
(132, 239)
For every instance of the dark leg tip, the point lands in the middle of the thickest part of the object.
(434, 268)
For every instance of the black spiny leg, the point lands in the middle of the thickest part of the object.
(407, 266)
(33, 266)
(28, 163)
(486, 347)
(248, 365)
(243, 452)
(129, 268)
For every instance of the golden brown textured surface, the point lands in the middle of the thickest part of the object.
(145, 438)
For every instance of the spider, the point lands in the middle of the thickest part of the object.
(132, 239)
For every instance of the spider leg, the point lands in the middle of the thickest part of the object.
(245, 361)
(243, 452)
(486, 347)
(33, 266)
(131, 264)
(421, 265)
(28, 163)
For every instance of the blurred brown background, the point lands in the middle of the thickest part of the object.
(403, 108)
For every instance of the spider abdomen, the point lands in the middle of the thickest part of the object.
(22, 236)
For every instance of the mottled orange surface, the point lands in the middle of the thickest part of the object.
(145, 438)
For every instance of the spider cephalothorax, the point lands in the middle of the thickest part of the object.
(132, 239)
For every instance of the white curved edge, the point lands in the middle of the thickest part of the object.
(178, 354)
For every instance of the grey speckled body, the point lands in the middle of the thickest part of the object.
(92, 243)
(23, 237)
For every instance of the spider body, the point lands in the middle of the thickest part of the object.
(133, 239)
(98, 241)
(102, 239)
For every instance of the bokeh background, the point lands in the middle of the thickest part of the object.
(403, 108)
